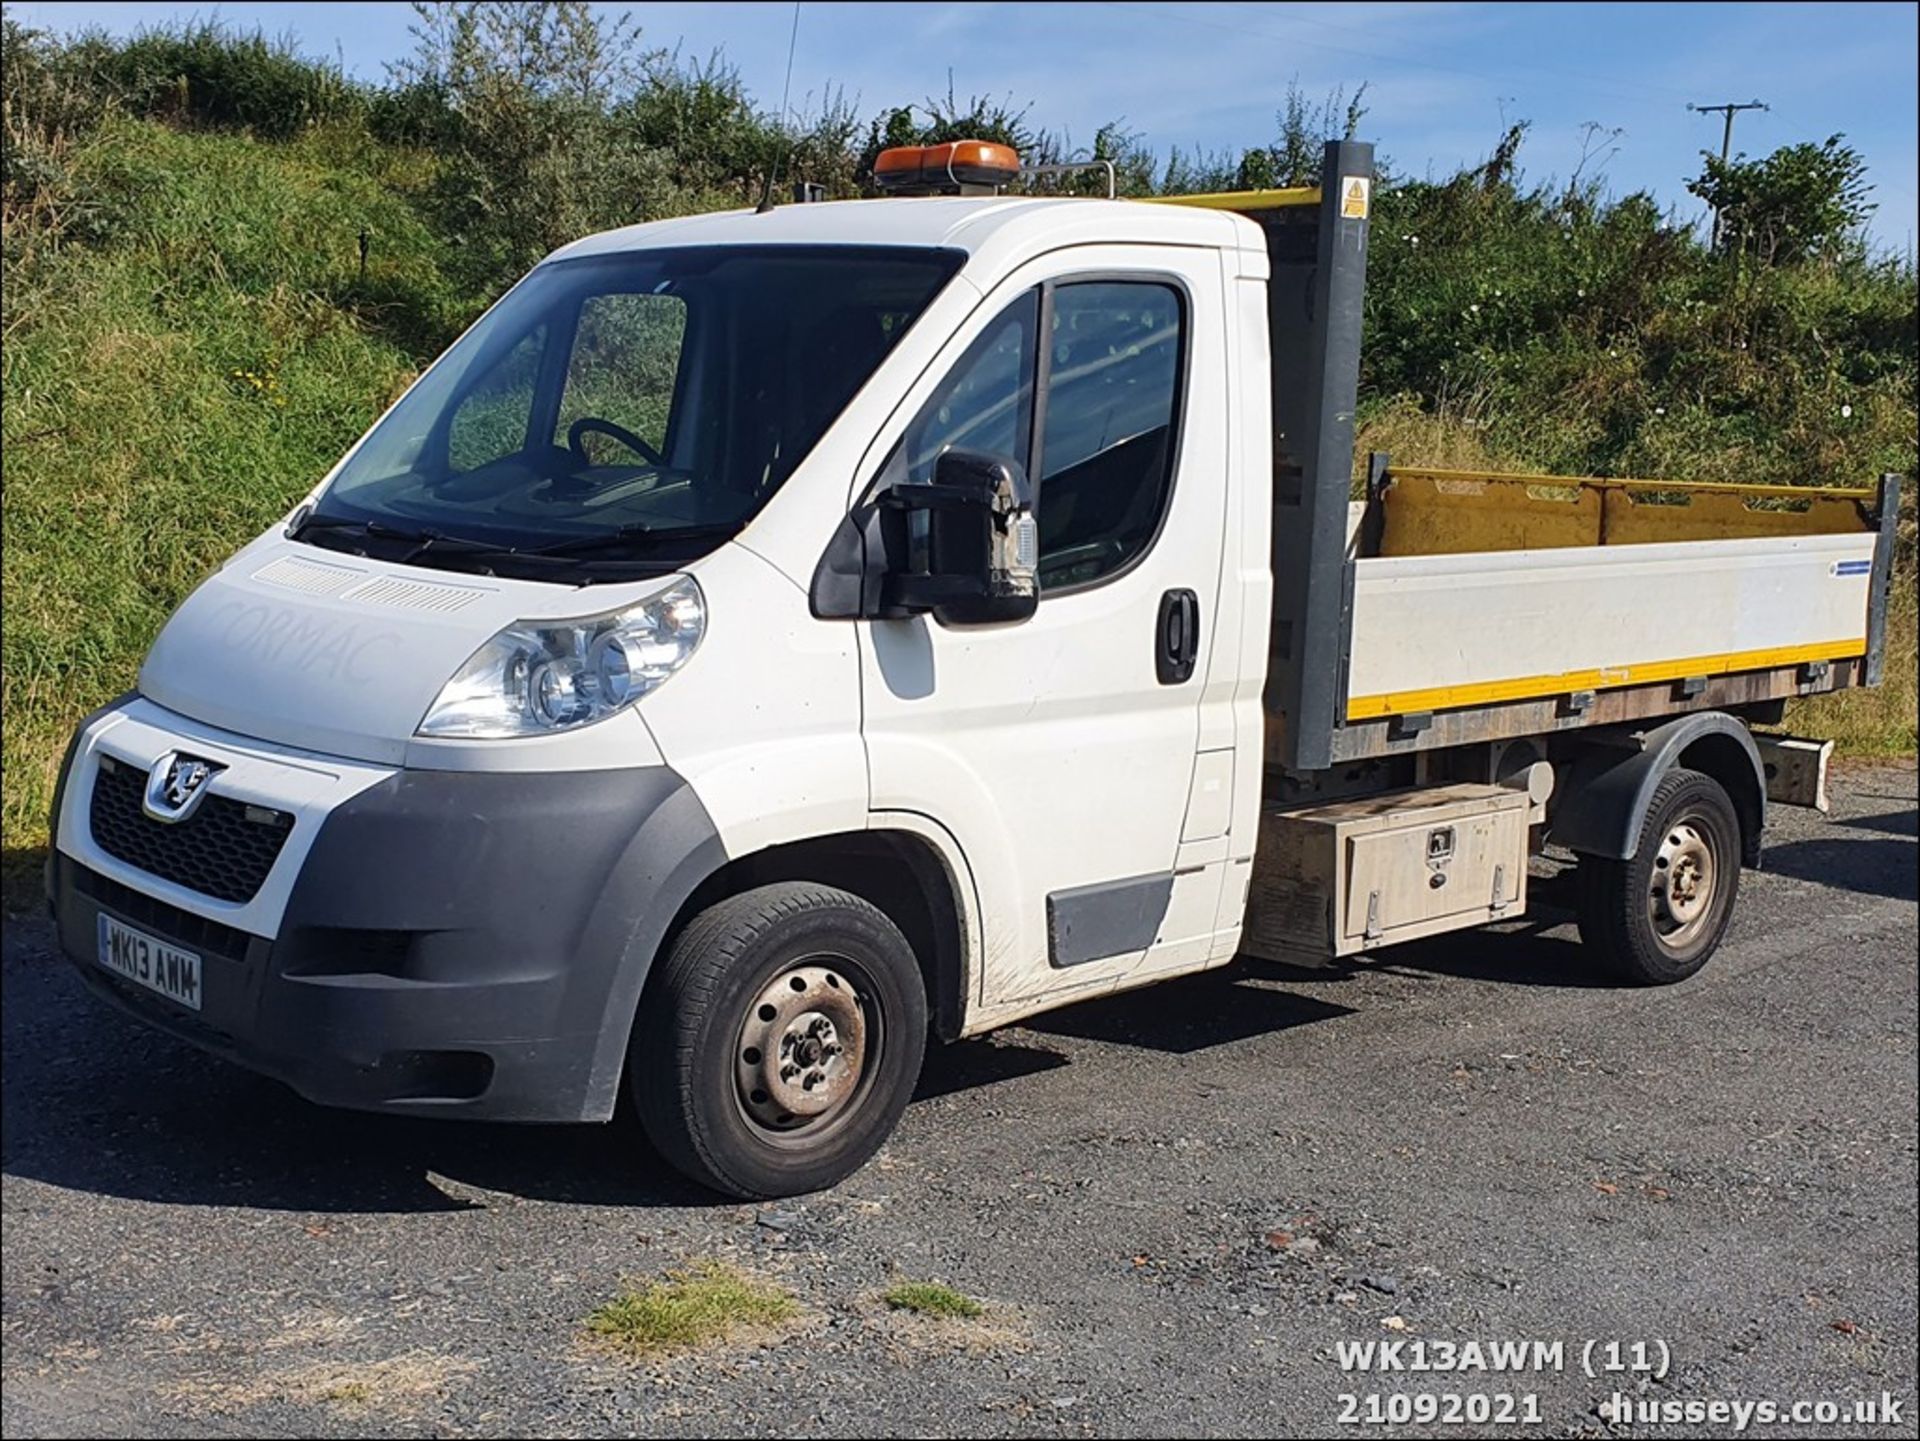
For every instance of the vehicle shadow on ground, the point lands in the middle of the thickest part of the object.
(1248, 998)
(92, 1101)
(1542, 950)
(1876, 866)
(1524, 955)
(1894, 823)
(1191, 1013)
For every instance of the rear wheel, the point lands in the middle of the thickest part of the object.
(1660, 914)
(780, 1041)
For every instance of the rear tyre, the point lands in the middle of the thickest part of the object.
(1658, 916)
(780, 1040)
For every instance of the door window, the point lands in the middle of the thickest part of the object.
(985, 403)
(1106, 449)
(1110, 382)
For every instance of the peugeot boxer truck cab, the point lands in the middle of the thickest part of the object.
(561, 674)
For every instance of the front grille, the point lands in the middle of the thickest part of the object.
(219, 851)
(196, 933)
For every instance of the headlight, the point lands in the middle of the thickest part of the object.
(537, 677)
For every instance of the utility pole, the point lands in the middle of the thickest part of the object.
(1726, 144)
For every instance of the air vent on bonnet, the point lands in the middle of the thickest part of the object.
(389, 590)
(315, 577)
(309, 577)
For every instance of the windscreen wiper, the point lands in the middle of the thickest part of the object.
(628, 535)
(310, 521)
(422, 540)
(585, 550)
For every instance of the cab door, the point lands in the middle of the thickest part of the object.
(1061, 752)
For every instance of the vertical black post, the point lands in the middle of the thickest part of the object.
(1315, 302)
(1373, 526)
(1887, 506)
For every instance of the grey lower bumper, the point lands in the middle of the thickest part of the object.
(456, 943)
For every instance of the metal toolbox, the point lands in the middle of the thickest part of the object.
(1338, 877)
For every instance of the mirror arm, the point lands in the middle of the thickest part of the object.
(914, 594)
(931, 495)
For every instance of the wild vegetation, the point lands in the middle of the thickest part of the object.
(222, 259)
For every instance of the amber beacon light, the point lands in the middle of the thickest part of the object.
(960, 167)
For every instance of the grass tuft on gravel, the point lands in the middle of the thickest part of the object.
(707, 1302)
(930, 1298)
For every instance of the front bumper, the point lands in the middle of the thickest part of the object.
(448, 942)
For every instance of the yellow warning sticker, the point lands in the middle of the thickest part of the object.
(1355, 190)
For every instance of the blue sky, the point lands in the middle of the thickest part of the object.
(1441, 76)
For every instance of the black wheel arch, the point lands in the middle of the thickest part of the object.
(900, 873)
(1601, 807)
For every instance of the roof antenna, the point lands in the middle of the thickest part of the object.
(773, 171)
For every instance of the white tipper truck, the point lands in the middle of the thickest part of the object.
(766, 638)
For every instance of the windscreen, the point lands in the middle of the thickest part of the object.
(626, 410)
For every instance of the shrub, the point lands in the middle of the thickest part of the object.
(1601, 338)
(203, 73)
(532, 152)
(51, 103)
(1800, 203)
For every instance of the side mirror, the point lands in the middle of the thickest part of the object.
(978, 562)
(962, 547)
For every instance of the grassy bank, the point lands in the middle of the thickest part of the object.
(173, 385)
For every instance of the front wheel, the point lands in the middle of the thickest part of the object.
(780, 1041)
(1660, 914)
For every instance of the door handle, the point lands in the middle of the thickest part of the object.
(1177, 636)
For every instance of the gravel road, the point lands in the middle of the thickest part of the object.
(1176, 1204)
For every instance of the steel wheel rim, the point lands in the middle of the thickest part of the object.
(1684, 884)
(806, 1050)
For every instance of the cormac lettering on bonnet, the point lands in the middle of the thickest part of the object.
(341, 650)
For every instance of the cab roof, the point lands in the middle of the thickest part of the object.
(1011, 227)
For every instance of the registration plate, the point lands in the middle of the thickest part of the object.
(148, 961)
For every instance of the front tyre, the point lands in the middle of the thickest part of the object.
(780, 1040)
(1660, 914)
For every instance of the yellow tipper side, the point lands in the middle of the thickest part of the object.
(1428, 511)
